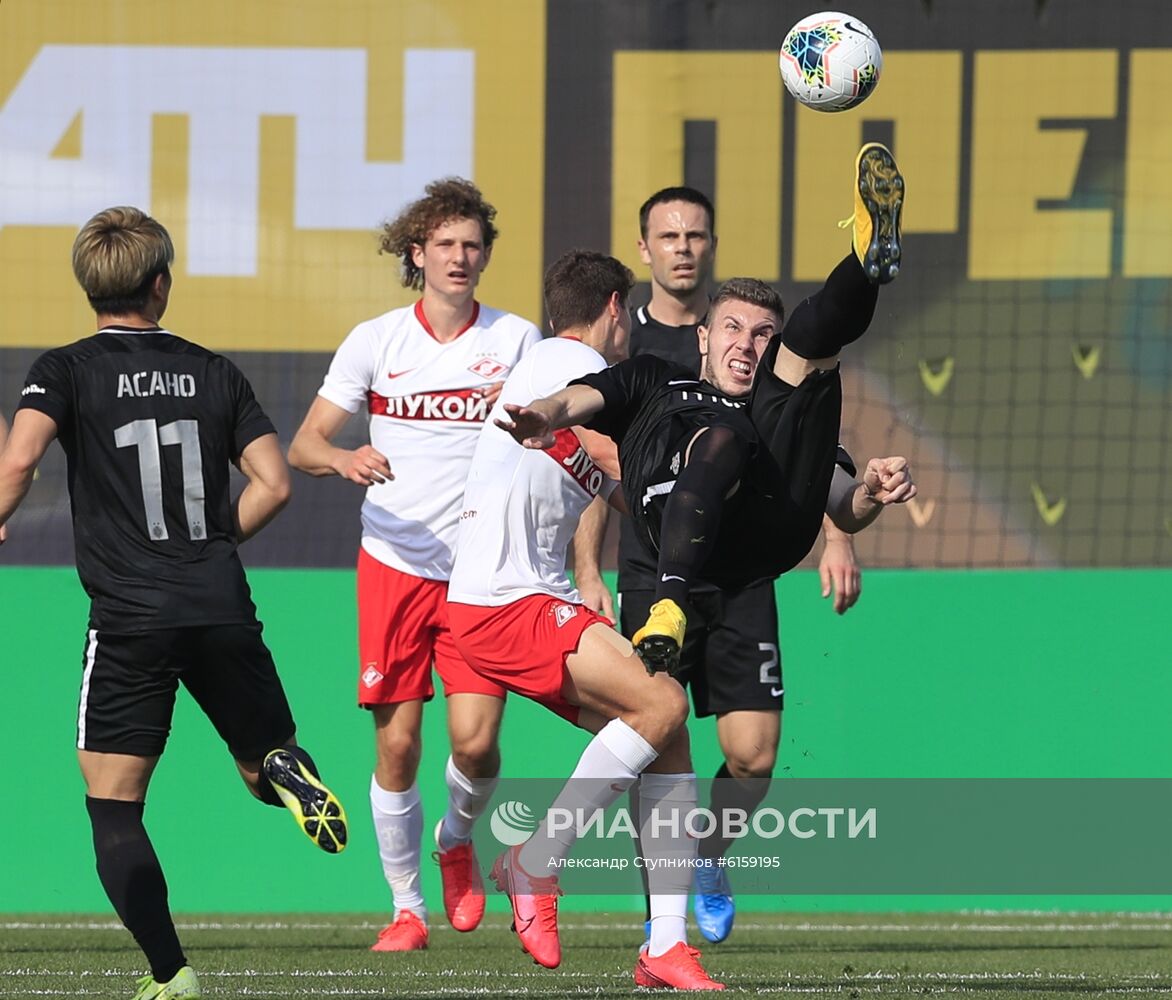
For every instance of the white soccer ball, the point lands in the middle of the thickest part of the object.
(830, 61)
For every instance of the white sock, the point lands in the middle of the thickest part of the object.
(668, 796)
(609, 765)
(398, 825)
(467, 799)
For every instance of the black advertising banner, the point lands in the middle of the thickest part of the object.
(1022, 361)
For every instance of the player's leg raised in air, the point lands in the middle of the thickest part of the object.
(638, 722)
(230, 674)
(840, 312)
(583, 670)
(878, 210)
(235, 682)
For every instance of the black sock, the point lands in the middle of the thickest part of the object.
(133, 879)
(837, 314)
(731, 793)
(268, 794)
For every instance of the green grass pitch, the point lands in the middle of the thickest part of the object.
(985, 955)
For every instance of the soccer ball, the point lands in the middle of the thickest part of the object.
(830, 61)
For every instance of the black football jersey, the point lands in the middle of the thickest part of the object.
(150, 424)
(653, 410)
(677, 344)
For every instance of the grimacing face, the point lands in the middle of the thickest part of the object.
(732, 343)
(453, 258)
(679, 247)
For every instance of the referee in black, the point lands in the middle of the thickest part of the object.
(150, 424)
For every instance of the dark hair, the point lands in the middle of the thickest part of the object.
(751, 290)
(117, 256)
(685, 194)
(579, 284)
(444, 200)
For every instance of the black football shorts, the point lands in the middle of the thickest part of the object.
(731, 658)
(129, 682)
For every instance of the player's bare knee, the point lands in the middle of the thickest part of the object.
(676, 705)
(752, 762)
(662, 718)
(477, 755)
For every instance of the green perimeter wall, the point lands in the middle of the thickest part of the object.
(933, 674)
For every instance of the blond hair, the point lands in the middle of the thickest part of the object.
(116, 257)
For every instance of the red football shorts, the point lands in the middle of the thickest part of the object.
(402, 631)
(523, 645)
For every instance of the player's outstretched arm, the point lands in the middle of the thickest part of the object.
(23, 448)
(268, 488)
(855, 503)
(533, 426)
(313, 451)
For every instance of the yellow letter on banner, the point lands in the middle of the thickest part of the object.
(1017, 163)
(1147, 252)
(926, 146)
(655, 93)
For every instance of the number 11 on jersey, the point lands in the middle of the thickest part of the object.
(147, 436)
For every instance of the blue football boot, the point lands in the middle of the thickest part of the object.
(713, 906)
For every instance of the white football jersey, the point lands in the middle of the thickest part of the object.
(426, 412)
(521, 506)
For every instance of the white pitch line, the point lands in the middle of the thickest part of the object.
(563, 991)
(1146, 914)
(1007, 976)
(806, 927)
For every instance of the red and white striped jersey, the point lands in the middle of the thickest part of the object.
(426, 411)
(521, 506)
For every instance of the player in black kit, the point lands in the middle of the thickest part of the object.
(727, 477)
(731, 657)
(150, 424)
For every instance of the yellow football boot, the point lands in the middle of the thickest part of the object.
(878, 206)
(183, 987)
(659, 642)
(315, 808)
